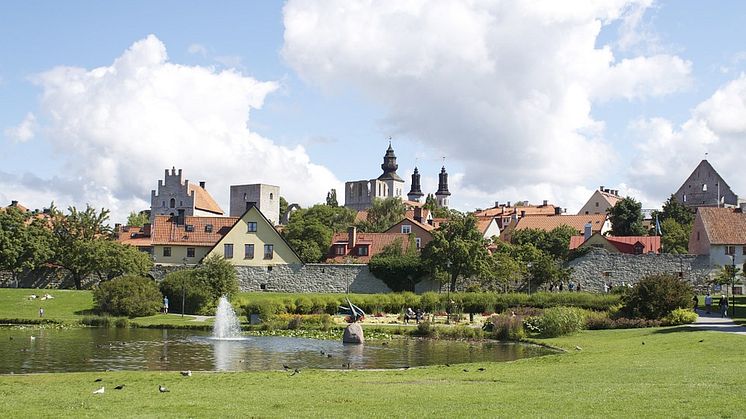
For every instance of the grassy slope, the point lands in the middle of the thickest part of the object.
(672, 374)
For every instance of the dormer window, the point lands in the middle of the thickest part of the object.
(339, 249)
(189, 228)
(208, 228)
(362, 251)
(639, 248)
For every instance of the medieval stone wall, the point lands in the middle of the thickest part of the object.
(322, 278)
(598, 267)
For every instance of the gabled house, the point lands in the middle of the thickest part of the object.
(422, 232)
(488, 227)
(185, 241)
(632, 245)
(599, 224)
(355, 247)
(719, 233)
(252, 240)
(601, 200)
(705, 188)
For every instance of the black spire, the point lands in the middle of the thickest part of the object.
(443, 182)
(389, 166)
(415, 193)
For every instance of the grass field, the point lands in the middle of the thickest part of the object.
(672, 374)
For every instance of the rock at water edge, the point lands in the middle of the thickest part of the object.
(353, 334)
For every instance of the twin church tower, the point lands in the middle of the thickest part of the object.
(359, 194)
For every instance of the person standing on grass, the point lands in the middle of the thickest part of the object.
(708, 302)
(41, 311)
(165, 305)
(723, 306)
(696, 302)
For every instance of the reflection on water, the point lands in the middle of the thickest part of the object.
(93, 349)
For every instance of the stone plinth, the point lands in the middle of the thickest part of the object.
(353, 334)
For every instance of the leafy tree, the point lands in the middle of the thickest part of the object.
(138, 219)
(331, 198)
(383, 214)
(113, 259)
(675, 238)
(25, 242)
(555, 243)
(656, 296)
(283, 207)
(501, 270)
(431, 203)
(672, 209)
(457, 248)
(309, 231)
(400, 270)
(132, 296)
(219, 276)
(626, 218)
(201, 286)
(185, 283)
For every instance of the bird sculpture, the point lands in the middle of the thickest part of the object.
(119, 387)
(99, 391)
(187, 373)
(163, 389)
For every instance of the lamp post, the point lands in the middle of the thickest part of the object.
(733, 285)
(183, 290)
(529, 265)
(448, 294)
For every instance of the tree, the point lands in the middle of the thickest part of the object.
(309, 231)
(331, 198)
(626, 218)
(25, 242)
(675, 238)
(501, 270)
(138, 219)
(431, 203)
(132, 296)
(115, 259)
(555, 243)
(656, 296)
(672, 209)
(457, 248)
(400, 270)
(283, 207)
(383, 214)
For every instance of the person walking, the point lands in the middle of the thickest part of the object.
(696, 302)
(723, 306)
(708, 302)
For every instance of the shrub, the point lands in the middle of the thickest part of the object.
(295, 322)
(460, 332)
(597, 323)
(680, 316)
(506, 327)
(560, 321)
(430, 301)
(425, 328)
(267, 309)
(656, 296)
(185, 283)
(131, 296)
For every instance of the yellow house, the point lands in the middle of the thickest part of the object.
(253, 241)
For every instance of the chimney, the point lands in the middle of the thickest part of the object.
(13, 203)
(557, 210)
(116, 227)
(508, 203)
(587, 230)
(523, 214)
(146, 229)
(545, 203)
(497, 204)
(351, 237)
(202, 184)
(418, 214)
(601, 188)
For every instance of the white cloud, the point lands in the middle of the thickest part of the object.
(197, 49)
(118, 127)
(504, 88)
(668, 153)
(23, 131)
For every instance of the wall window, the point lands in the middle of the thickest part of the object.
(167, 252)
(189, 228)
(362, 251)
(228, 251)
(418, 241)
(406, 229)
(639, 248)
(698, 236)
(208, 228)
(248, 251)
(269, 251)
(743, 251)
(596, 204)
(339, 250)
(251, 226)
(190, 252)
(730, 250)
(172, 203)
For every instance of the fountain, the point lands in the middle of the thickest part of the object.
(226, 323)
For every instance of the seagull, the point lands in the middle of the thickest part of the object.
(643, 343)
(119, 387)
(701, 340)
(285, 367)
(98, 380)
(163, 389)
(296, 371)
(481, 369)
(99, 391)
(465, 370)
(187, 373)
(578, 348)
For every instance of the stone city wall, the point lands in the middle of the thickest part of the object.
(44, 278)
(599, 267)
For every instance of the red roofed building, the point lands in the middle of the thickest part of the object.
(355, 247)
(598, 222)
(177, 243)
(177, 197)
(721, 234)
(633, 245)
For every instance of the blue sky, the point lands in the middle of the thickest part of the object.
(483, 86)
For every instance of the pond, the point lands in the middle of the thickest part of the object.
(30, 350)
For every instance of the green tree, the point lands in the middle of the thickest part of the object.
(655, 296)
(219, 276)
(399, 269)
(114, 259)
(501, 270)
(25, 242)
(138, 219)
(675, 238)
(672, 209)
(309, 231)
(626, 218)
(331, 198)
(457, 248)
(555, 243)
(132, 296)
(383, 214)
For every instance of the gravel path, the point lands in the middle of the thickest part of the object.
(714, 322)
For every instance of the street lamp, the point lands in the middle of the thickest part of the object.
(183, 290)
(733, 284)
(529, 265)
(448, 294)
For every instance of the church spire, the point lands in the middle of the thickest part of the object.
(389, 166)
(416, 192)
(442, 194)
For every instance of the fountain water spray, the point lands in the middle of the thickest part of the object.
(226, 323)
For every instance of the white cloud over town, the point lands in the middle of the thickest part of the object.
(117, 127)
(504, 88)
(24, 131)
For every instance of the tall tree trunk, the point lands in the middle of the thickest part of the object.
(78, 281)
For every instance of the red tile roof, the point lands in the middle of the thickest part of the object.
(133, 236)
(625, 244)
(375, 241)
(203, 200)
(483, 223)
(723, 225)
(549, 223)
(502, 211)
(166, 231)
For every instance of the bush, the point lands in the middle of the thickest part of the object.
(680, 316)
(425, 328)
(506, 327)
(267, 309)
(598, 323)
(185, 283)
(656, 296)
(560, 321)
(131, 296)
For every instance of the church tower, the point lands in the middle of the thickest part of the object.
(394, 185)
(415, 192)
(442, 194)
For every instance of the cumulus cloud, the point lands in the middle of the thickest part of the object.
(117, 127)
(668, 153)
(23, 131)
(504, 88)
(197, 49)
